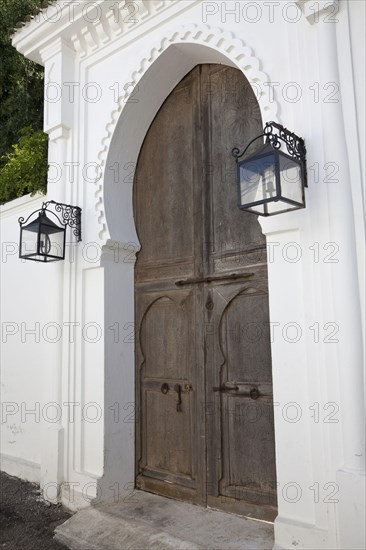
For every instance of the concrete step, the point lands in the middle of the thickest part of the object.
(149, 521)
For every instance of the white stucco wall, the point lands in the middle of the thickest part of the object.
(306, 71)
(37, 341)
(30, 311)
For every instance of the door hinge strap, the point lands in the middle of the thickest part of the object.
(232, 277)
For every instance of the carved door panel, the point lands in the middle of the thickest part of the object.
(202, 304)
(169, 354)
(240, 429)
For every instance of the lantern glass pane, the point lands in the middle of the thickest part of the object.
(28, 242)
(291, 184)
(257, 180)
(51, 242)
(277, 207)
(49, 247)
(52, 245)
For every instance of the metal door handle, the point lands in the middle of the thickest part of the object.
(231, 386)
(178, 389)
(223, 277)
(253, 393)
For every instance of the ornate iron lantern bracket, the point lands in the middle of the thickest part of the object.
(71, 216)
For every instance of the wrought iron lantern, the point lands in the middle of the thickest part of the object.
(43, 239)
(272, 181)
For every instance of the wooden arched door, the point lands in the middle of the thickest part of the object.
(203, 361)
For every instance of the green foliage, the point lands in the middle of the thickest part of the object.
(21, 105)
(25, 169)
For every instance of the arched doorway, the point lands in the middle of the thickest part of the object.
(203, 360)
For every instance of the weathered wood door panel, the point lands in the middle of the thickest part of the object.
(202, 335)
(168, 319)
(241, 461)
(167, 341)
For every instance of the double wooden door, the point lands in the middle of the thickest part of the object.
(203, 362)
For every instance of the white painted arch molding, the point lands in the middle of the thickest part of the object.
(220, 47)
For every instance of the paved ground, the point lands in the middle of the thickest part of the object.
(145, 522)
(26, 521)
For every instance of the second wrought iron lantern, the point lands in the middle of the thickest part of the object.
(272, 181)
(44, 238)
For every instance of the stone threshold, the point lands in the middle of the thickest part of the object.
(147, 521)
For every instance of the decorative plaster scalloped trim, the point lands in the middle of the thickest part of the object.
(223, 41)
